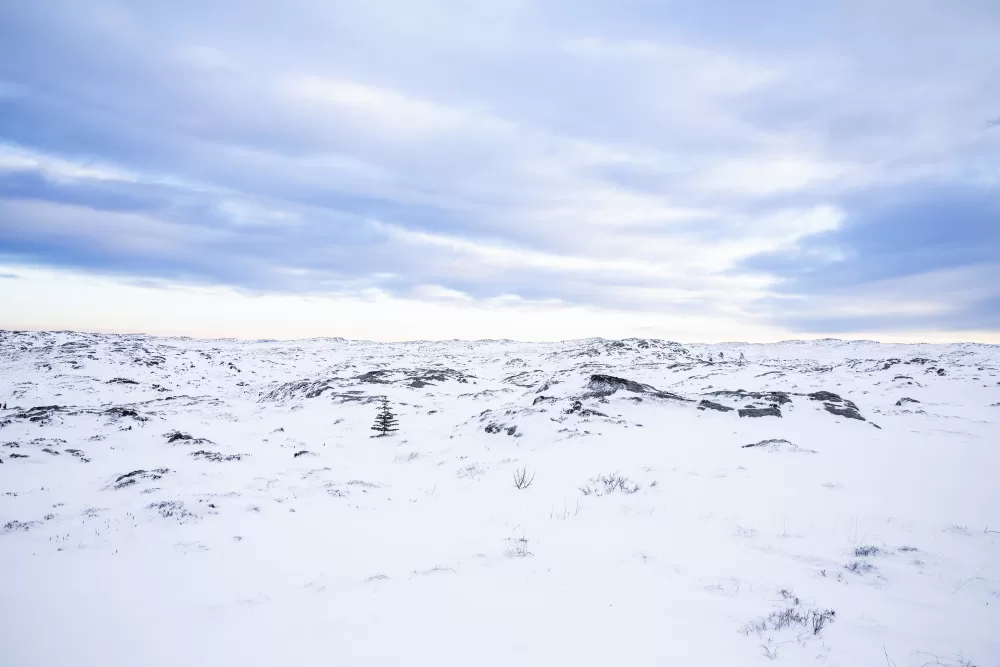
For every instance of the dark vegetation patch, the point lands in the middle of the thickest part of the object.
(172, 509)
(132, 478)
(186, 439)
(859, 567)
(15, 526)
(867, 550)
(216, 457)
(793, 616)
(601, 485)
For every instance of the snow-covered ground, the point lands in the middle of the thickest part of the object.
(186, 502)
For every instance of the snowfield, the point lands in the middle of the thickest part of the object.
(187, 502)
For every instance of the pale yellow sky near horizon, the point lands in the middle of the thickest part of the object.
(46, 299)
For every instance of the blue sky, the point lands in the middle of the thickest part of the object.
(502, 168)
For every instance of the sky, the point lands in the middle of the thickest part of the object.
(530, 169)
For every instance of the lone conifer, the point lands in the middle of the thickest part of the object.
(385, 420)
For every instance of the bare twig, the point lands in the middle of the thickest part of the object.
(975, 576)
(889, 662)
(521, 479)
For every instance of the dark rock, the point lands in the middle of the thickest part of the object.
(578, 409)
(779, 397)
(187, 439)
(849, 411)
(42, 414)
(772, 411)
(940, 371)
(765, 443)
(903, 400)
(605, 385)
(120, 413)
(712, 405)
(825, 396)
(304, 452)
(121, 381)
(373, 377)
(494, 428)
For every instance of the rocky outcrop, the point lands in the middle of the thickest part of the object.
(770, 411)
(600, 386)
(836, 405)
(712, 405)
(778, 397)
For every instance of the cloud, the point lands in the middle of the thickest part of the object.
(714, 160)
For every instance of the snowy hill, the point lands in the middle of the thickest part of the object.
(186, 502)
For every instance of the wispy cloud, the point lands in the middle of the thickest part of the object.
(799, 172)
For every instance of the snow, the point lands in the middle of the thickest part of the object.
(417, 548)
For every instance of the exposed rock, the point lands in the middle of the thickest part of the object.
(765, 443)
(605, 385)
(41, 414)
(121, 381)
(712, 405)
(903, 400)
(779, 397)
(578, 409)
(118, 412)
(825, 396)
(849, 411)
(771, 411)
(494, 428)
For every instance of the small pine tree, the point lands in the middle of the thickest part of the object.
(385, 420)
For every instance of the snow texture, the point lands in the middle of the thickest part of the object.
(184, 502)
